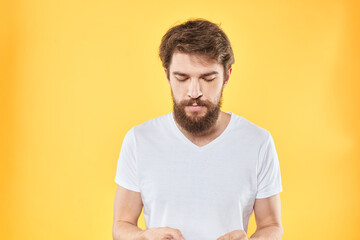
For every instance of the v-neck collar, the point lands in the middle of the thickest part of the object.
(193, 145)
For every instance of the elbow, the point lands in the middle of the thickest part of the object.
(115, 231)
(280, 230)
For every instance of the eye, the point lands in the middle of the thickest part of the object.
(209, 79)
(181, 79)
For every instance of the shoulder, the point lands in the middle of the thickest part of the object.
(153, 126)
(249, 129)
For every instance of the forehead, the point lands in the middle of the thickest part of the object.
(193, 63)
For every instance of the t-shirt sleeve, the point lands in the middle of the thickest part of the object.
(268, 174)
(126, 172)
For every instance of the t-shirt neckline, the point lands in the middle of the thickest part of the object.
(193, 145)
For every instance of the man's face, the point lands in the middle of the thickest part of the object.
(196, 88)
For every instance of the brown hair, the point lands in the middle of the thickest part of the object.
(197, 36)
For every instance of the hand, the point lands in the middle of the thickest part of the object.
(234, 235)
(162, 233)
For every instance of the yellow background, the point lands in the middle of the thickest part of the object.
(77, 75)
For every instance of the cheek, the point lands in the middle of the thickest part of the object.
(177, 94)
(212, 92)
(216, 95)
(179, 90)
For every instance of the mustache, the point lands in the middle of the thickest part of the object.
(194, 101)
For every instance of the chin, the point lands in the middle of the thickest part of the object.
(196, 113)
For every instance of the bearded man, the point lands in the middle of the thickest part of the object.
(198, 172)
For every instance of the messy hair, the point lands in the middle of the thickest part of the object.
(198, 36)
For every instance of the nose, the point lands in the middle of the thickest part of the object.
(194, 89)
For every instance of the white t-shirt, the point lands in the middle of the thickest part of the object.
(207, 191)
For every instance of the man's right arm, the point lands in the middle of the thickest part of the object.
(127, 209)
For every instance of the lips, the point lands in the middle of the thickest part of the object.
(195, 107)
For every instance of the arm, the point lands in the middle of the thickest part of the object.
(127, 209)
(268, 219)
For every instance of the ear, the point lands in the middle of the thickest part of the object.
(166, 74)
(227, 77)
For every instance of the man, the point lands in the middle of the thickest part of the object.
(199, 172)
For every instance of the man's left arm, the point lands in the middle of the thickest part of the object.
(268, 221)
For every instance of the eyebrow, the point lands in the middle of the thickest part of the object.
(202, 75)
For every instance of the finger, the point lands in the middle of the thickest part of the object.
(241, 234)
(176, 234)
(223, 237)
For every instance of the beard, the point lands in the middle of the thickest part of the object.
(195, 123)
